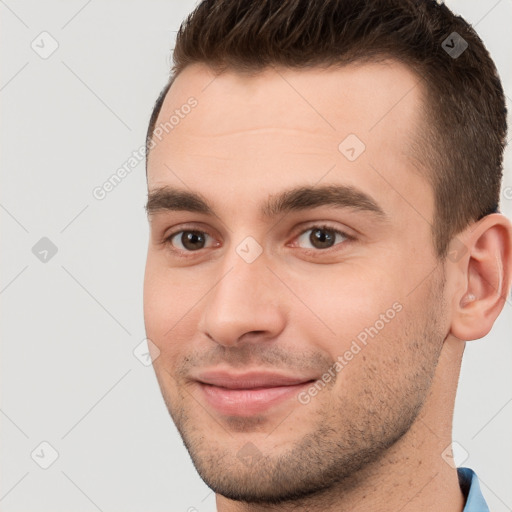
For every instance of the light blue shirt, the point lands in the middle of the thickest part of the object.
(470, 487)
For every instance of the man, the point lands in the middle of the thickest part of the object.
(323, 188)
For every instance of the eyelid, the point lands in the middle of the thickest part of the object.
(166, 241)
(298, 232)
(186, 227)
(327, 227)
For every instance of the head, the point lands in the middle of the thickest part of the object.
(324, 213)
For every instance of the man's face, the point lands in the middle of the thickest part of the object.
(298, 338)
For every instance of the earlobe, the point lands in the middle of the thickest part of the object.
(486, 273)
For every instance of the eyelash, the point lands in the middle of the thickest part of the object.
(317, 252)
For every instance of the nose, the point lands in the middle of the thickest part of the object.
(244, 305)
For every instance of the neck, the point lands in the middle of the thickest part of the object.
(412, 476)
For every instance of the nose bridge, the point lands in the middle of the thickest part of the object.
(242, 299)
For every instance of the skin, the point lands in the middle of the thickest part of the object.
(373, 438)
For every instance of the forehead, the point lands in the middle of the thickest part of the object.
(282, 127)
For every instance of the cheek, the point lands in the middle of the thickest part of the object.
(345, 301)
(166, 294)
(171, 306)
(159, 307)
(156, 301)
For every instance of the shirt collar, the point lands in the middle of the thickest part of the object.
(470, 488)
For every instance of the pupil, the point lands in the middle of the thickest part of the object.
(321, 238)
(189, 238)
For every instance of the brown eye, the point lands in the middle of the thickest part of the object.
(188, 240)
(321, 237)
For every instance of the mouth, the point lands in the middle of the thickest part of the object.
(249, 393)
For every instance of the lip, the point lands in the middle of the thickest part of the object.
(250, 392)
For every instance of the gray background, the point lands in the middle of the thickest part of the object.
(68, 373)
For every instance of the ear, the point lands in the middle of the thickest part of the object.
(482, 259)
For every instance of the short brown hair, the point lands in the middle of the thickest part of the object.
(461, 141)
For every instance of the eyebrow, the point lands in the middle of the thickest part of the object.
(296, 199)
